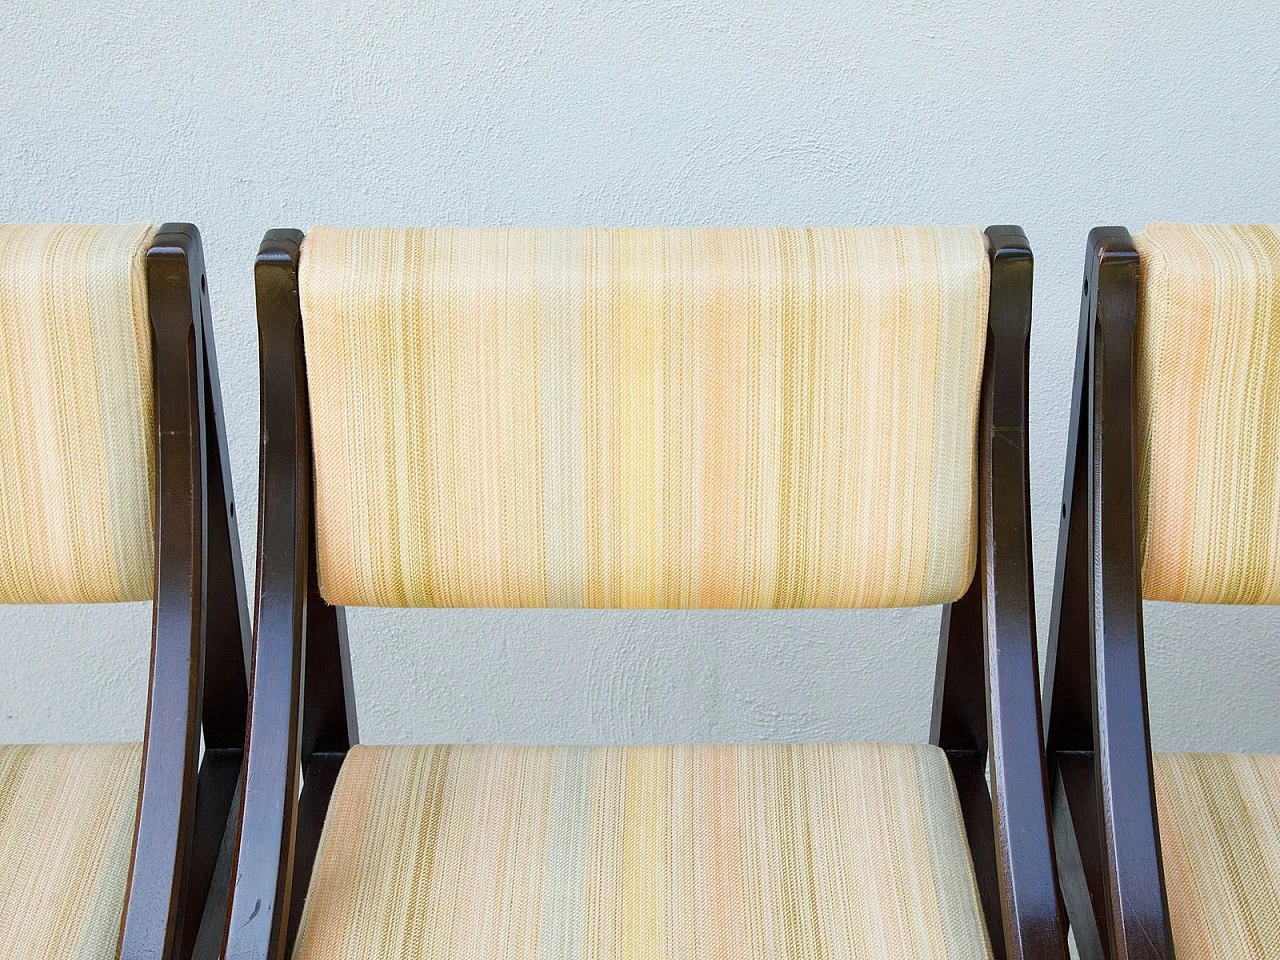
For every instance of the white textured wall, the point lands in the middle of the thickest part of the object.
(641, 112)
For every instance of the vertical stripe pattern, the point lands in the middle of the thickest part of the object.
(799, 852)
(76, 447)
(1208, 413)
(66, 834)
(644, 417)
(1220, 841)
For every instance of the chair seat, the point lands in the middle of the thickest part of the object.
(66, 835)
(550, 853)
(1220, 841)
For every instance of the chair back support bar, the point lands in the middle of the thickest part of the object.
(296, 725)
(986, 712)
(200, 624)
(1098, 738)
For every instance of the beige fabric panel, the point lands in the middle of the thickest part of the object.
(845, 851)
(1208, 412)
(749, 418)
(66, 834)
(77, 466)
(1220, 841)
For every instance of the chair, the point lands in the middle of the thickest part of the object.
(114, 486)
(644, 418)
(1170, 494)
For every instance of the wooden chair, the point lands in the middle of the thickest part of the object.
(644, 418)
(1170, 494)
(114, 486)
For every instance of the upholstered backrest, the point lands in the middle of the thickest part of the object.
(76, 447)
(645, 417)
(1208, 412)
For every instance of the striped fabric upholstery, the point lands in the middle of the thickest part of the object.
(838, 851)
(645, 417)
(66, 832)
(1220, 838)
(76, 459)
(1208, 391)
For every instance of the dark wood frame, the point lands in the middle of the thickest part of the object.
(1098, 738)
(302, 718)
(302, 710)
(200, 626)
(986, 707)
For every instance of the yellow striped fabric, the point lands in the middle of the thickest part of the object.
(644, 417)
(839, 851)
(1208, 412)
(76, 460)
(66, 834)
(1220, 840)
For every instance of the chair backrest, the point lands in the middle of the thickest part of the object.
(1208, 412)
(77, 461)
(680, 418)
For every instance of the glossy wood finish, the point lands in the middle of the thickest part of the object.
(301, 712)
(987, 702)
(987, 654)
(1098, 740)
(200, 624)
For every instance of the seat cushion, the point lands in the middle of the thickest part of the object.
(661, 853)
(1220, 838)
(66, 833)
